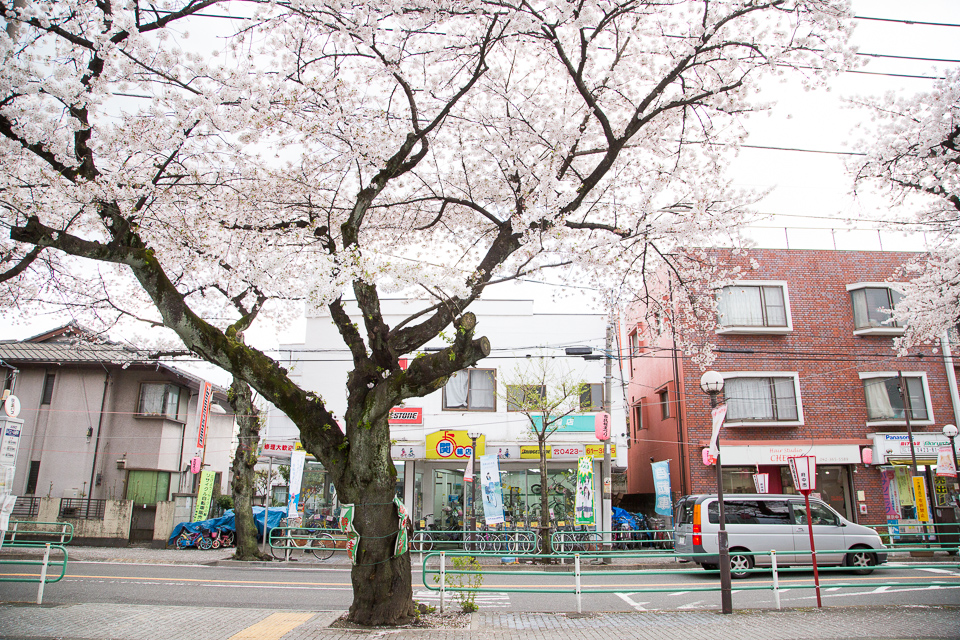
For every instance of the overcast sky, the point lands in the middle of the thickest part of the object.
(811, 204)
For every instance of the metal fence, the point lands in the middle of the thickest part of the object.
(43, 576)
(445, 579)
(83, 508)
(26, 508)
(29, 531)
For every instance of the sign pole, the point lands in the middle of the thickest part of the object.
(804, 472)
(813, 548)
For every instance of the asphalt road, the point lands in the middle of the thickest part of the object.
(319, 588)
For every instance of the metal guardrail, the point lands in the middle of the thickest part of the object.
(440, 573)
(942, 533)
(44, 576)
(502, 541)
(28, 531)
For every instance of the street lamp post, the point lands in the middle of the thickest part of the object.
(712, 384)
(474, 436)
(950, 431)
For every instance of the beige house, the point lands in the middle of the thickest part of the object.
(105, 422)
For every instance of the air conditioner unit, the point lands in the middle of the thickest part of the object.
(71, 493)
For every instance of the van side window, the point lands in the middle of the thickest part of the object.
(684, 511)
(751, 512)
(819, 513)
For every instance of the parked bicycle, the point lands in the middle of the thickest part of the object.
(198, 539)
(284, 541)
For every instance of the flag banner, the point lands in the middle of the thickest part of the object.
(492, 489)
(718, 413)
(945, 465)
(468, 471)
(346, 526)
(761, 482)
(661, 482)
(403, 535)
(203, 413)
(204, 495)
(297, 459)
(584, 512)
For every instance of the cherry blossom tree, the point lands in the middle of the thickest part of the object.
(201, 166)
(915, 157)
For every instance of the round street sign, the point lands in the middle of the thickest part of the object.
(11, 406)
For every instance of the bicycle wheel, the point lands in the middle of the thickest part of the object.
(182, 543)
(205, 543)
(591, 541)
(422, 541)
(322, 545)
(279, 545)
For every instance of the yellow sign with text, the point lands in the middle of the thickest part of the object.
(533, 453)
(596, 450)
(923, 513)
(452, 445)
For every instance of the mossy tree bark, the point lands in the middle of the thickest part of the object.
(244, 474)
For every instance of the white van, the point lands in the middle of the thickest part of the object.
(766, 522)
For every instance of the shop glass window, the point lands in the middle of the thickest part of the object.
(753, 306)
(761, 399)
(884, 402)
(525, 397)
(471, 390)
(157, 399)
(872, 306)
(591, 397)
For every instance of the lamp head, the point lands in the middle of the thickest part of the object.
(950, 430)
(474, 435)
(711, 382)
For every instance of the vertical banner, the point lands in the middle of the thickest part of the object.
(492, 489)
(945, 463)
(920, 493)
(718, 413)
(203, 413)
(204, 495)
(761, 482)
(297, 459)
(584, 512)
(403, 534)
(661, 482)
(346, 526)
(904, 487)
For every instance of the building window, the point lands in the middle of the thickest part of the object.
(884, 402)
(158, 399)
(591, 397)
(32, 477)
(471, 390)
(525, 397)
(871, 308)
(757, 307)
(663, 397)
(47, 396)
(761, 399)
(637, 418)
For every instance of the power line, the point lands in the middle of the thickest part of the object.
(902, 21)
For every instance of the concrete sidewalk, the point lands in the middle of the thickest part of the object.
(132, 622)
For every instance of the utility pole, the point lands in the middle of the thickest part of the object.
(605, 472)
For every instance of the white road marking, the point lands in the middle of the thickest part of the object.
(637, 606)
(678, 593)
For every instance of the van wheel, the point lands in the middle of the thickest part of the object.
(740, 565)
(862, 562)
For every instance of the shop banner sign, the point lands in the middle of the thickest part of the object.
(203, 413)
(888, 487)
(492, 489)
(584, 512)
(346, 526)
(297, 458)
(451, 445)
(945, 463)
(661, 482)
(761, 482)
(718, 413)
(920, 493)
(403, 540)
(204, 495)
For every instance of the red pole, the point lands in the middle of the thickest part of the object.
(813, 549)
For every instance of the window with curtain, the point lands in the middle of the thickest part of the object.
(753, 306)
(525, 396)
(761, 399)
(872, 306)
(471, 390)
(158, 399)
(882, 394)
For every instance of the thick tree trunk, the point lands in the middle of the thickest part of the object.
(241, 401)
(545, 546)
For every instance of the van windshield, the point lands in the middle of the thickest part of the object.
(751, 512)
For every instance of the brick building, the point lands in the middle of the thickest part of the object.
(809, 369)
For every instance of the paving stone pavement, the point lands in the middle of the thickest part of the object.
(135, 622)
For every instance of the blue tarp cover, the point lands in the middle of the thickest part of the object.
(226, 521)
